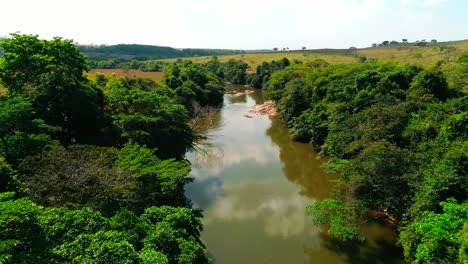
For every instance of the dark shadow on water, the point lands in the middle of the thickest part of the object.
(204, 192)
(355, 252)
(301, 165)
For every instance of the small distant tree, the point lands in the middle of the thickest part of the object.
(374, 45)
(421, 43)
(385, 43)
(275, 49)
(304, 48)
(404, 41)
(352, 48)
(433, 41)
(393, 42)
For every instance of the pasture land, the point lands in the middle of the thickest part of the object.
(397, 53)
(156, 76)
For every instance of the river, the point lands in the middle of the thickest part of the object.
(253, 183)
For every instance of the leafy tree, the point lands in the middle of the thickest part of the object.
(295, 99)
(234, 71)
(21, 134)
(340, 216)
(34, 234)
(193, 83)
(21, 237)
(260, 78)
(162, 181)
(438, 237)
(430, 82)
(150, 119)
(7, 180)
(50, 73)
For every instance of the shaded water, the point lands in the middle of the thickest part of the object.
(253, 183)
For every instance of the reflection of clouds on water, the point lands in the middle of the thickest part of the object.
(282, 216)
(213, 165)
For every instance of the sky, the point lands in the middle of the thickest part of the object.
(237, 24)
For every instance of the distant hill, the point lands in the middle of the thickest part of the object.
(412, 53)
(128, 52)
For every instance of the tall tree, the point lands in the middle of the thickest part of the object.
(50, 73)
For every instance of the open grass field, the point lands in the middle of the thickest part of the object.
(402, 54)
(417, 55)
(157, 76)
(255, 59)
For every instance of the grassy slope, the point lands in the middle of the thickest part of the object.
(157, 76)
(403, 54)
(254, 59)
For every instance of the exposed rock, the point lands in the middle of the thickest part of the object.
(267, 108)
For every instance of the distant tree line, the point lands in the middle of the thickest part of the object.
(420, 43)
(128, 52)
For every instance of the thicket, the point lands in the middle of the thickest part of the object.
(398, 134)
(92, 171)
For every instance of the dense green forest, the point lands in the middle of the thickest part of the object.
(398, 135)
(93, 170)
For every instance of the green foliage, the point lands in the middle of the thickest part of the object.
(6, 176)
(397, 134)
(20, 133)
(151, 256)
(127, 52)
(232, 71)
(463, 57)
(193, 83)
(162, 181)
(93, 196)
(438, 237)
(431, 83)
(104, 178)
(21, 238)
(33, 234)
(151, 119)
(50, 73)
(264, 71)
(295, 99)
(274, 86)
(340, 217)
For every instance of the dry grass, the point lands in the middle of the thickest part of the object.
(404, 54)
(417, 55)
(156, 76)
(255, 59)
(3, 90)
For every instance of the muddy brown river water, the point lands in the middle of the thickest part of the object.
(253, 183)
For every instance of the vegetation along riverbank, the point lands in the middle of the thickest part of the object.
(93, 167)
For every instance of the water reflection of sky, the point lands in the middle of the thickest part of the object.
(253, 184)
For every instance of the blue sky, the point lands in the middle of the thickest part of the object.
(239, 24)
